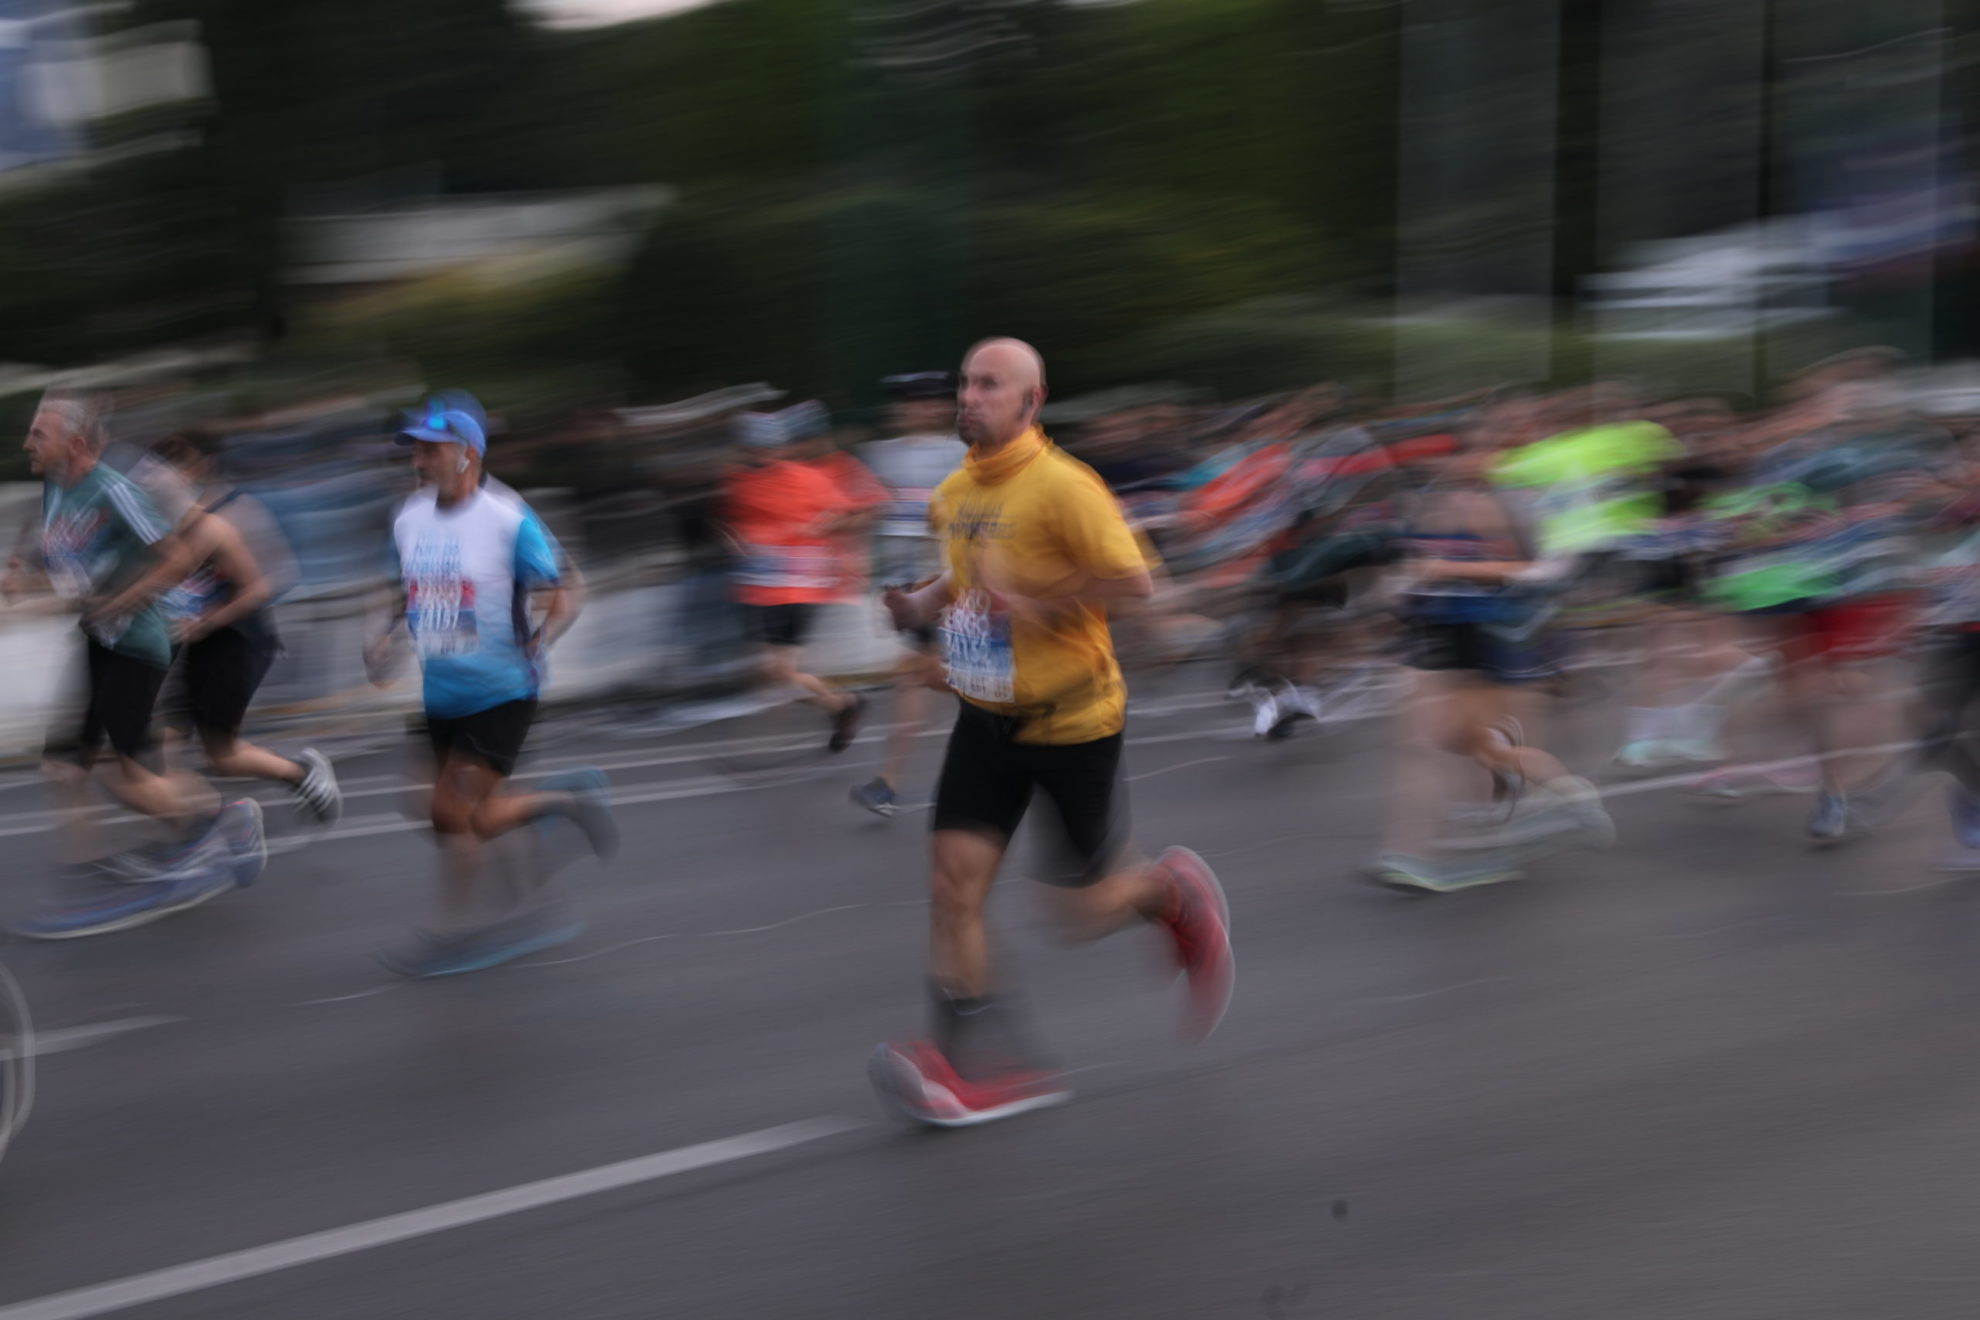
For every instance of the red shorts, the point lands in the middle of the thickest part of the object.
(1864, 629)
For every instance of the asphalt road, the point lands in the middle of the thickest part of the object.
(1714, 1074)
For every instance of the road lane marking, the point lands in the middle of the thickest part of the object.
(234, 1266)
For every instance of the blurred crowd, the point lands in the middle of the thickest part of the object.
(1305, 538)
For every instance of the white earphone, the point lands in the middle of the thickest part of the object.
(462, 465)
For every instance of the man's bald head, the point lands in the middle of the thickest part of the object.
(1001, 389)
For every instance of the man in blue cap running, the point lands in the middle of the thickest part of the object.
(483, 598)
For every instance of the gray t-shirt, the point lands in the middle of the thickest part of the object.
(911, 467)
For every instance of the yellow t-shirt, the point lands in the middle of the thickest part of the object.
(1033, 521)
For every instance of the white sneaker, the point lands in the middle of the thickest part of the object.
(1264, 715)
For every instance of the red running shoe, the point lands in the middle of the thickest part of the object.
(915, 1081)
(1201, 927)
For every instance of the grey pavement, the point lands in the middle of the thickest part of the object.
(1714, 1074)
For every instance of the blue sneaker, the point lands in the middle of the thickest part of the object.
(239, 831)
(877, 797)
(487, 946)
(1963, 858)
(1964, 808)
(125, 907)
(1830, 824)
(589, 808)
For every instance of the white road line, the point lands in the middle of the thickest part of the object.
(1171, 769)
(345, 999)
(215, 1271)
(1366, 999)
(61, 1040)
(788, 921)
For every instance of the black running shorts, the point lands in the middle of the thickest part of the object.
(116, 704)
(1474, 648)
(782, 625)
(493, 737)
(988, 779)
(218, 677)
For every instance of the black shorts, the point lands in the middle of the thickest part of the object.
(119, 692)
(493, 737)
(218, 676)
(1474, 648)
(782, 625)
(988, 778)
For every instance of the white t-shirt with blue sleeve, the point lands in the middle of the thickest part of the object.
(467, 572)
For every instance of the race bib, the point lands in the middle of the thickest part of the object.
(789, 567)
(440, 614)
(976, 641)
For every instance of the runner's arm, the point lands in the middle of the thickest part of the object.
(541, 564)
(919, 608)
(173, 558)
(237, 563)
(26, 553)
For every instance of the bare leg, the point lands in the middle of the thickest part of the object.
(460, 790)
(68, 783)
(910, 710)
(1137, 891)
(1426, 723)
(780, 667)
(236, 758)
(170, 798)
(965, 867)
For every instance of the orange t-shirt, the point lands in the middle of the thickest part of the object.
(778, 513)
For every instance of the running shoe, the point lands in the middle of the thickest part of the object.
(1700, 733)
(1964, 808)
(1296, 705)
(451, 954)
(239, 831)
(1264, 714)
(845, 724)
(140, 865)
(167, 859)
(126, 906)
(1830, 823)
(918, 1083)
(1645, 754)
(1424, 875)
(1200, 926)
(877, 797)
(589, 807)
(317, 793)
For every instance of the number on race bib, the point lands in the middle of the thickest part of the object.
(440, 613)
(977, 642)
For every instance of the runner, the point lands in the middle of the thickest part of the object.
(1830, 580)
(474, 564)
(922, 454)
(783, 514)
(220, 616)
(1475, 603)
(1036, 552)
(101, 540)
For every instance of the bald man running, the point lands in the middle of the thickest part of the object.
(1036, 550)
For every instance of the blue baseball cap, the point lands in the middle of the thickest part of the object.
(453, 418)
